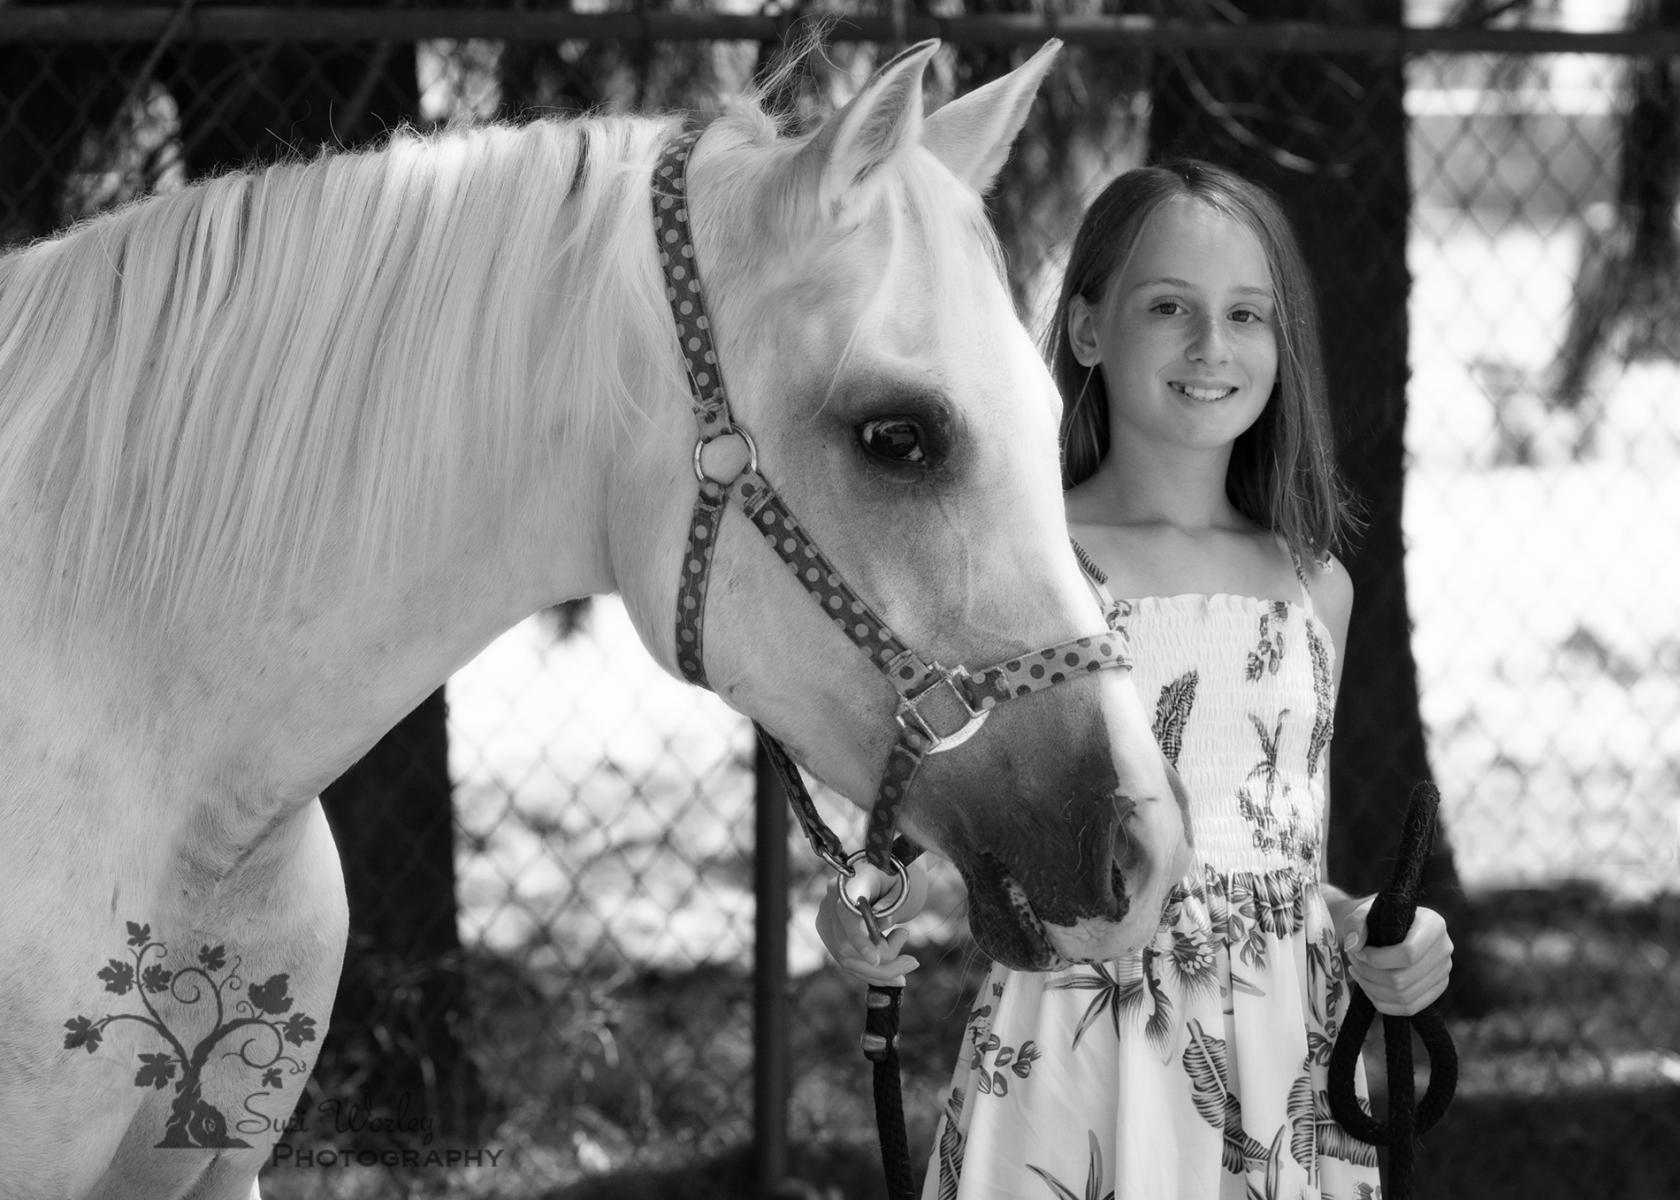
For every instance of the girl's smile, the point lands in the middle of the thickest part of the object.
(1205, 392)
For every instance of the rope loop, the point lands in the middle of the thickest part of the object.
(1387, 922)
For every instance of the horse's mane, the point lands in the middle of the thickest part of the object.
(201, 383)
(204, 390)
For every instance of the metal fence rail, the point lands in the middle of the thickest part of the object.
(606, 843)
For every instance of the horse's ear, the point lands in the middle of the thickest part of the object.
(881, 122)
(972, 134)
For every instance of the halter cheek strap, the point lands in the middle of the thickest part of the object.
(939, 707)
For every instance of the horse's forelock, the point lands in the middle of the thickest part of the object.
(923, 227)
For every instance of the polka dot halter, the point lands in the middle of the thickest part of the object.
(939, 707)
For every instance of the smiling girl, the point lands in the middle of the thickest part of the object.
(1198, 461)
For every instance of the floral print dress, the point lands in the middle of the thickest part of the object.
(1195, 1069)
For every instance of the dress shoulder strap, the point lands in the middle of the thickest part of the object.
(1115, 611)
(1300, 576)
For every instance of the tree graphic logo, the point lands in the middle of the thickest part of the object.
(261, 1018)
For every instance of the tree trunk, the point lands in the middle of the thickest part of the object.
(394, 1044)
(1328, 135)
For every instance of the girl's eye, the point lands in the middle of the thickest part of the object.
(1167, 308)
(1247, 316)
(893, 440)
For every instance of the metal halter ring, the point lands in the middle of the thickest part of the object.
(734, 431)
(879, 908)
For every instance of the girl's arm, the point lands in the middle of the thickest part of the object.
(1332, 597)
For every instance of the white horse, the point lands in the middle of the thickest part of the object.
(281, 451)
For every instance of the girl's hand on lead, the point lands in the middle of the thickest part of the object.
(847, 937)
(1407, 978)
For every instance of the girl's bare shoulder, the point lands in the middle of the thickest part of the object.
(1332, 595)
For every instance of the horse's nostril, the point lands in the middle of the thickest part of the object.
(1122, 900)
(1003, 917)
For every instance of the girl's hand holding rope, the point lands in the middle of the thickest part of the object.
(847, 935)
(1404, 979)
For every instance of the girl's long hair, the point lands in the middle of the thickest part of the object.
(1283, 469)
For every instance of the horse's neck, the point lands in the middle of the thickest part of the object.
(269, 698)
(216, 724)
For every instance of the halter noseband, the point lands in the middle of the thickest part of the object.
(939, 707)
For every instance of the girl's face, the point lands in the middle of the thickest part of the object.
(1186, 333)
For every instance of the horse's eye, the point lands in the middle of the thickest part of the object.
(893, 440)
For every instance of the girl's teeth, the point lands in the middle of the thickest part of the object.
(1196, 393)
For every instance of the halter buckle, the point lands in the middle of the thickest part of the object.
(939, 716)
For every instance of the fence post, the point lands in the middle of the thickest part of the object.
(770, 978)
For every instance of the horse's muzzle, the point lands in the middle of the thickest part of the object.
(1091, 890)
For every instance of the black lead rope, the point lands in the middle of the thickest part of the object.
(1386, 924)
(880, 1047)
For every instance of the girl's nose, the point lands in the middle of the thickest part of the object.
(1209, 344)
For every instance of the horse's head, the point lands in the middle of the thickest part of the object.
(870, 346)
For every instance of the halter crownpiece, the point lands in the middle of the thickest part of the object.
(939, 707)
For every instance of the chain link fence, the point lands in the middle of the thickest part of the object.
(604, 847)
(1541, 480)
